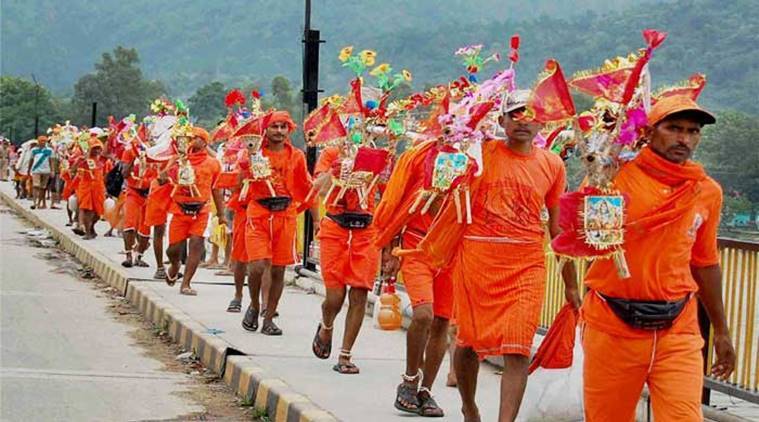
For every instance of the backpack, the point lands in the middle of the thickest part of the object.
(114, 181)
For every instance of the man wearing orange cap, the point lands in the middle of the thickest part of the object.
(349, 260)
(271, 214)
(189, 207)
(649, 321)
(40, 168)
(138, 174)
(430, 289)
(499, 259)
(90, 188)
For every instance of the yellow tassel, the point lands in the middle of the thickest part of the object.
(429, 203)
(468, 201)
(621, 263)
(457, 201)
(271, 188)
(417, 202)
(245, 189)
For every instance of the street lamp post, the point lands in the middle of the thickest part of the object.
(36, 107)
(310, 93)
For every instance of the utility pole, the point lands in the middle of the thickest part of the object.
(310, 93)
(94, 114)
(36, 107)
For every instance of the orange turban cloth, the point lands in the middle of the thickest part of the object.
(95, 143)
(282, 116)
(199, 132)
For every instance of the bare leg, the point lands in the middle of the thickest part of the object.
(435, 351)
(467, 366)
(276, 286)
(257, 271)
(451, 381)
(353, 321)
(158, 232)
(194, 250)
(173, 252)
(331, 306)
(513, 382)
(129, 239)
(240, 271)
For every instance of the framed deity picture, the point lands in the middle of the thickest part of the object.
(603, 219)
(448, 167)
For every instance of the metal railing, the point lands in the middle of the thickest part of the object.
(740, 285)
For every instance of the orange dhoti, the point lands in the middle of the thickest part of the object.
(134, 212)
(424, 283)
(90, 194)
(158, 201)
(239, 249)
(497, 300)
(348, 257)
(617, 367)
(69, 185)
(271, 238)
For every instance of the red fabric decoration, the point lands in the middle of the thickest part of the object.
(514, 53)
(354, 103)
(550, 100)
(234, 97)
(557, 349)
(373, 160)
(331, 130)
(478, 112)
(552, 136)
(653, 39)
(255, 94)
(692, 89)
(316, 118)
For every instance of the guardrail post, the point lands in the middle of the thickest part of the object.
(705, 327)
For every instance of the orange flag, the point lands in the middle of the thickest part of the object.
(329, 131)
(691, 88)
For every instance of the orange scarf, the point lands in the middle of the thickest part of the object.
(684, 178)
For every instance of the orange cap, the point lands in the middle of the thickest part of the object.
(199, 132)
(675, 104)
(95, 143)
(42, 138)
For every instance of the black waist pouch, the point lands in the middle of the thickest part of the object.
(191, 208)
(275, 203)
(350, 220)
(142, 192)
(646, 315)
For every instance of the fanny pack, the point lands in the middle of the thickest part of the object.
(191, 208)
(275, 203)
(350, 220)
(646, 315)
(142, 192)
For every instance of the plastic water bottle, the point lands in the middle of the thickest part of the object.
(390, 316)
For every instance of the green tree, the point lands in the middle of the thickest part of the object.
(728, 151)
(207, 104)
(20, 101)
(117, 85)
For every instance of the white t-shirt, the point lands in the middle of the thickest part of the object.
(41, 160)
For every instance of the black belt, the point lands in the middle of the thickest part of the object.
(275, 203)
(350, 220)
(646, 315)
(191, 208)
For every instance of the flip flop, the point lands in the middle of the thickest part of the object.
(250, 321)
(428, 407)
(235, 306)
(405, 394)
(270, 329)
(188, 291)
(171, 280)
(346, 368)
(321, 350)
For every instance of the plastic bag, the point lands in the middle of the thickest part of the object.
(555, 394)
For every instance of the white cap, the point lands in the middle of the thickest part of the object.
(515, 100)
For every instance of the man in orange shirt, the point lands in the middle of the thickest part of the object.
(90, 190)
(499, 260)
(349, 259)
(270, 231)
(138, 174)
(430, 289)
(189, 209)
(656, 339)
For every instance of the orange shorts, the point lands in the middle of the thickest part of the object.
(239, 249)
(183, 226)
(271, 238)
(347, 257)
(425, 284)
(670, 363)
(134, 213)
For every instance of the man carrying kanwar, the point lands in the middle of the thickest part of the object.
(193, 174)
(430, 289)
(673, 212)
(276, 192)
(138, 174)
(499, 259)
(90, 172)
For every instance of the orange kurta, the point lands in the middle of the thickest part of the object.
(348, 257)
(424, 283)
(207, 171)
(138, 187)
(90, 189)
(271, 234)
(656, 274)
(499, 260)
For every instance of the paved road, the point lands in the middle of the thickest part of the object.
(62, 355)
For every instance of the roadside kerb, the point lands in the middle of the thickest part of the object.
(282, 403)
